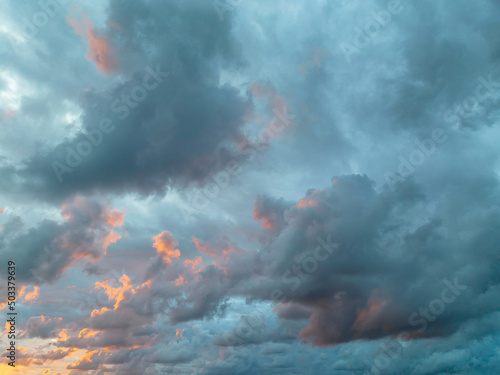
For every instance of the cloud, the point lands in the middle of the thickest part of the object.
(90, 361)
(165, 245)
(356, 290)
(32, 296)
(143, 105)
(270, 212)
(193, 263)
(100, 51)
(157, 142)
(43, 327)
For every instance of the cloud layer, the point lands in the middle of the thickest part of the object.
(231, 187)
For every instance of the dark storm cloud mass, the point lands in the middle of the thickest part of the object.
(367, 275)
(161, 126)
(352, 265)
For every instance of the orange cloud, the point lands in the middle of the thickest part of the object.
(86, 333)
(179, 333)
(6, 369)
(165, 245)
(204, 248)
(100, 221)
(225, 252)
(117, 294)
(78, 203)
(306, 202)
(100, 50)
(223, 248)
(110, 238)
(21, 291)
(86, 359)
(193, 263)
(63, 335)
(32, 296)
(98, 312)
(266, 221)
(2, 210)
(180, 280)
(114, 218)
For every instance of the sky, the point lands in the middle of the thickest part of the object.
(250, 187)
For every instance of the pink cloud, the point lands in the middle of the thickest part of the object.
(165, 245)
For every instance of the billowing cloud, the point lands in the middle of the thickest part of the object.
(43, 326)
(144, 135)
(329, 262)
(47, 250)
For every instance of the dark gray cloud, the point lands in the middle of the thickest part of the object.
(43, 253)
(152, 130)
(370, 285)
